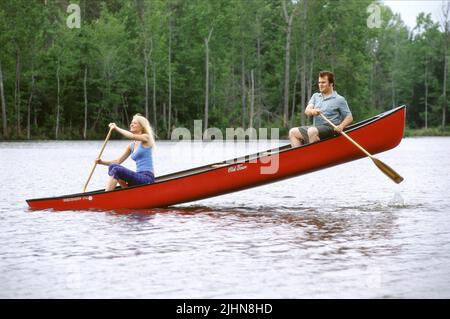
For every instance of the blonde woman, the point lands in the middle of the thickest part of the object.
(141, 151)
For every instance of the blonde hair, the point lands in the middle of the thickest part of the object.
(146, 127)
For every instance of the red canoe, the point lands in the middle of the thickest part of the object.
(377, 134)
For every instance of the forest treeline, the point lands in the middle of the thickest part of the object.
(68, 68)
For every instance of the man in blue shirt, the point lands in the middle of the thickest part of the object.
(331, 105)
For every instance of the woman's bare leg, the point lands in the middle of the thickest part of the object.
(111, 184)
(122, 183)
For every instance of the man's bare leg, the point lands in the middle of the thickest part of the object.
(313, 134)
(295, 137)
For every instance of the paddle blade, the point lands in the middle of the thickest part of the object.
(387, 170)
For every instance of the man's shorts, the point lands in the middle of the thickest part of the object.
(325, 131)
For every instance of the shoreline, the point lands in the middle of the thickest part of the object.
(408, 132)
(429, 132)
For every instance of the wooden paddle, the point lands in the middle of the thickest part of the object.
(382, 166)
(99, 155)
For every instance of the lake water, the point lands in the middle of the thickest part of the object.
(344, 232)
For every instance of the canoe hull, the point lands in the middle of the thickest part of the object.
(378, 135)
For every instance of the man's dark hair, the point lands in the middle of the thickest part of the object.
(329, 75)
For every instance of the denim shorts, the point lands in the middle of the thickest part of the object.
(132, 178)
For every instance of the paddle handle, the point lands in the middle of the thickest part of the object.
(99, 155)
(348, 137)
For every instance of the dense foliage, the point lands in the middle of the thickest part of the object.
(230, 63)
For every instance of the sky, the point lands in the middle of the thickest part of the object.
(410, 9)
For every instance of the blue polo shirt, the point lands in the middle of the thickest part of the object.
(334, 107)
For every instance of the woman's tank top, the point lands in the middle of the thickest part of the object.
(143, 158)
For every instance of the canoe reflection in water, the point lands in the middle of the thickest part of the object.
(319, 233)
